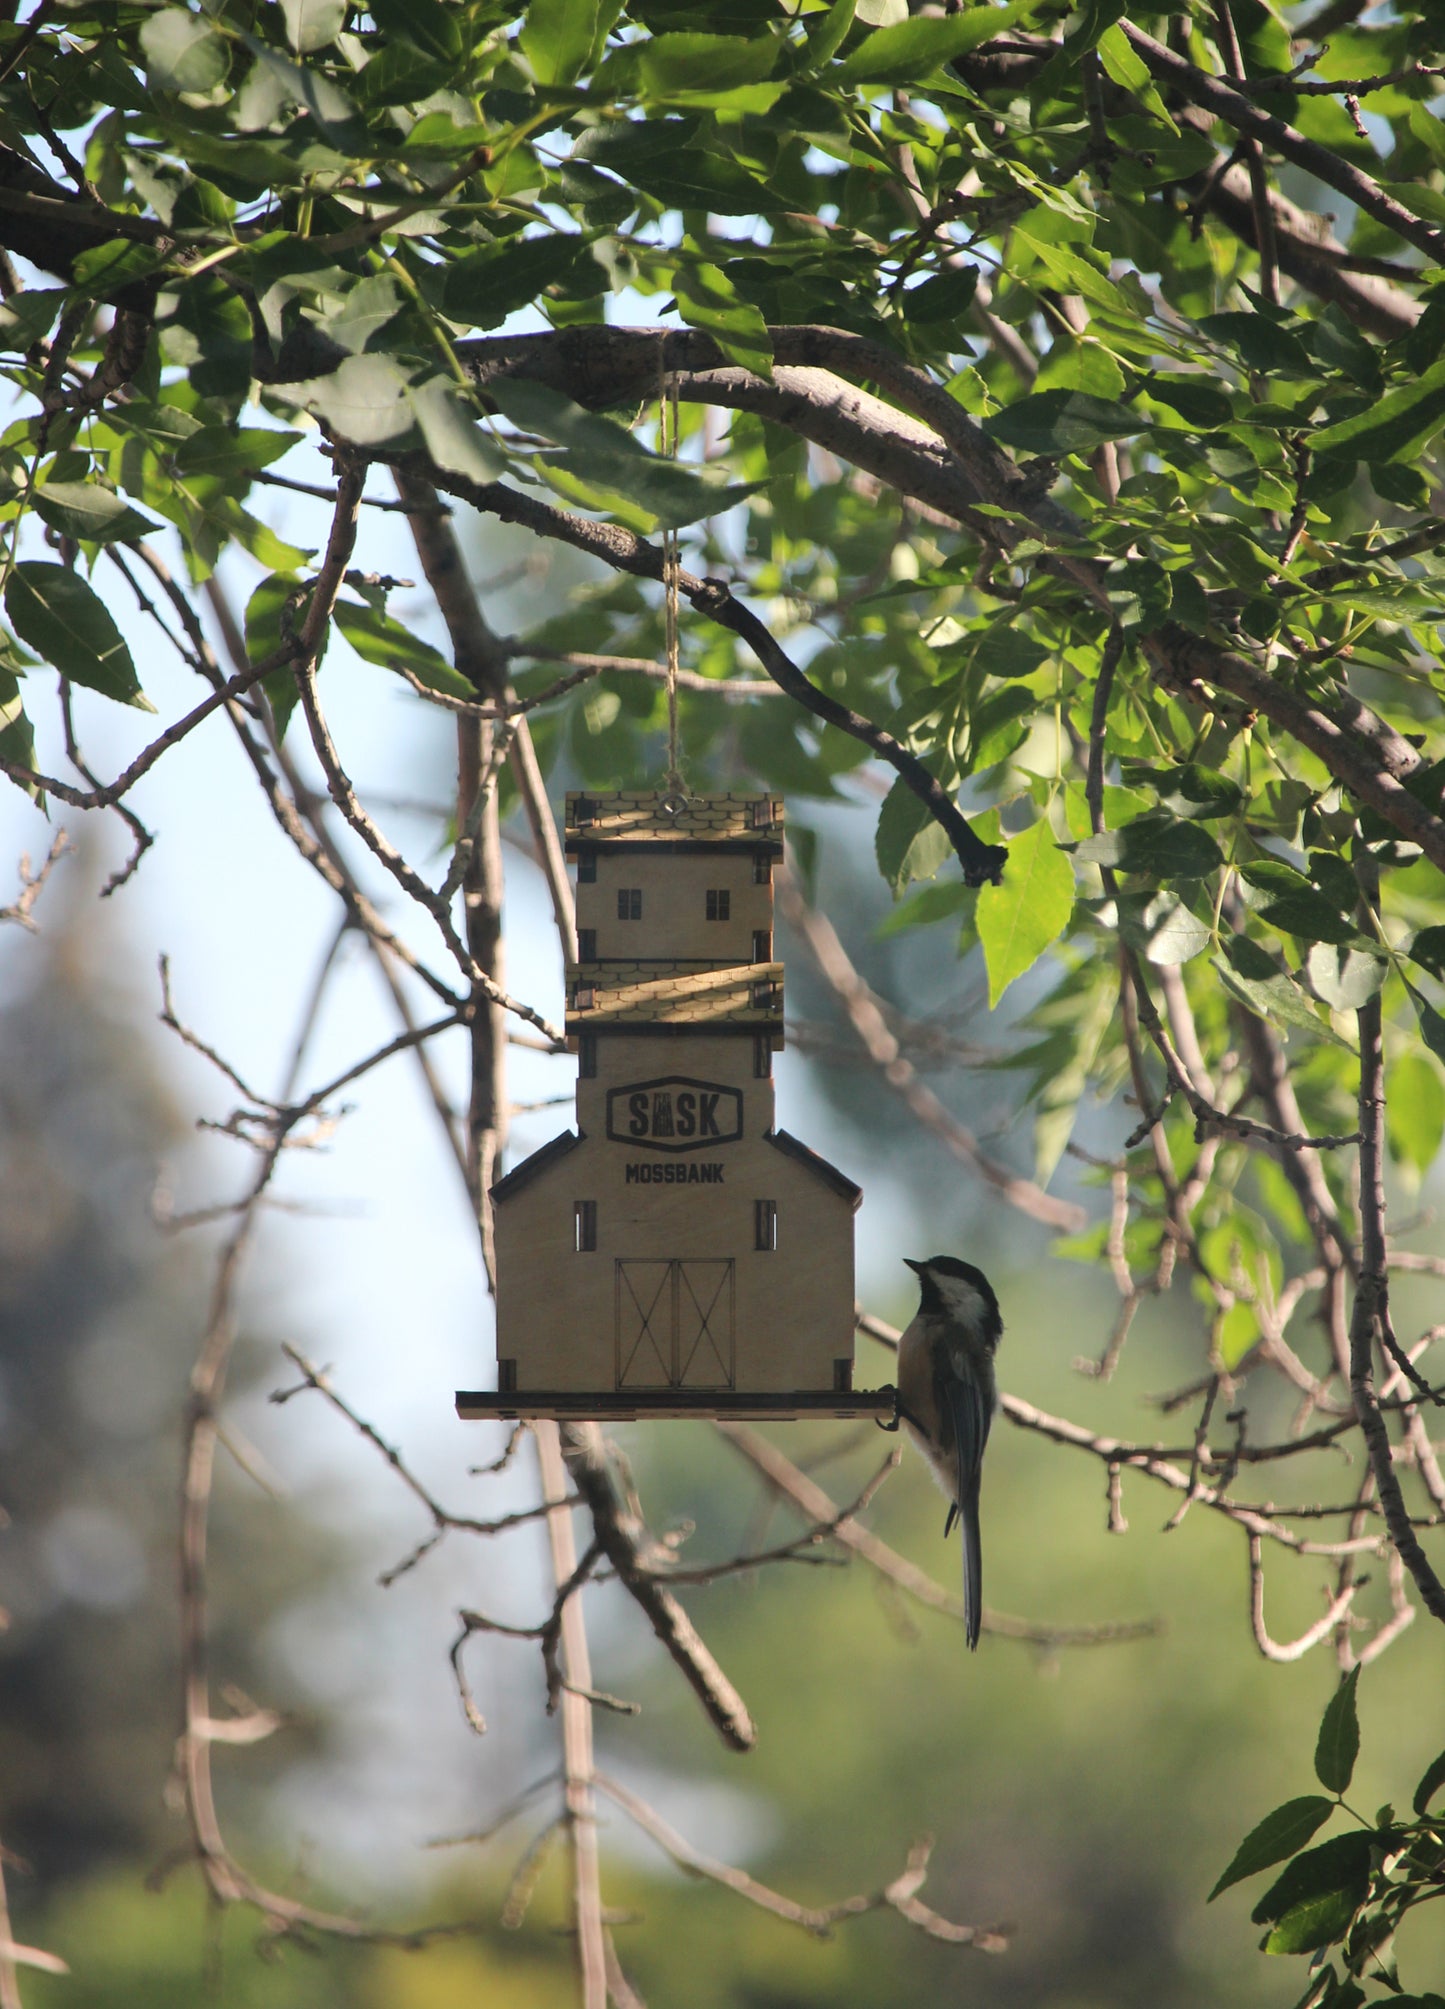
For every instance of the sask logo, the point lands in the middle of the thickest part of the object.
(675, 1114)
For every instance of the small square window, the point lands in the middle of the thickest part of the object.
(584, 1216)
(587, 869)
(629, 903)
(765, 1224)
(719, 903)
(586, 945)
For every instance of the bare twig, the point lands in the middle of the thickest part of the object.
(1294, 1649)
(865, 1012)
(578, 1769)
(32, 883)
(1371, 1306)
(785, 1478)
(899, 1896)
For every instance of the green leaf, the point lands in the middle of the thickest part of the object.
(827, 33)
(1428, 950)
(908, 843)
(1315, 1922)
(1431, 1780)
(690, 66)
(1018, 919)
(557, 38)
(1060, 422)
(1158, 845)
(706, 299)
(65, 620)
(485, 286)
(105, 268)
(377, 638)
(453, 438)
(1280, 1834)
(1415, 1112)
(1338, 1867)
(1432, 1026)
(915, 49)
(1003, 652)
(597, 450)
(17, 740)
(313, 24)
(366, 308)
(1344, 978)
(264, 636)
(1196, 794)
(1261, 343)
(1339, 1738)
(364, 400)
(231, 452)
(182, 52)
(428, 25)
(944, 297)
(1253, 976)
(1310, 916)
(1396, 427)
(1130, 71)
(89, 513)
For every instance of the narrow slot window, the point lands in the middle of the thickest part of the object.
(762, 945)
(842, 1377)
(762, 997)
(765, 1218)
(506, 1377)
(762, 1056)
(587, 869)
(719, 903)
(629, 903)
(584, 1218)
(587, 1056)
(586, 945)
(762, 869)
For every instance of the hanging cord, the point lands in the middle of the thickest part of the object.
(673, 784)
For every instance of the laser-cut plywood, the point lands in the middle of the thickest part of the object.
(675, 1255)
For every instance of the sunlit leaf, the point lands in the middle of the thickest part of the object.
(1019, 918)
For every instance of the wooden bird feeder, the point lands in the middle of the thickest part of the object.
(674, 1255)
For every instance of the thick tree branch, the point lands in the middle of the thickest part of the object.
(628, 552)
(623, 1541)
(1247, 119)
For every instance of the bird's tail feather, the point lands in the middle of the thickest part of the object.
(972, 1567)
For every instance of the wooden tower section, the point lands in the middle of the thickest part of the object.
(675, 1255)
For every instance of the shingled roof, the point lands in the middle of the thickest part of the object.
(673, 993)
(642, 816)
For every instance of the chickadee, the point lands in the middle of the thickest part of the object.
(947, 1395)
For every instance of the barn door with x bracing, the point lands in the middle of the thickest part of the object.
(675, 1323)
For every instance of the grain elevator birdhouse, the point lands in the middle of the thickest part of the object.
(675, 1254)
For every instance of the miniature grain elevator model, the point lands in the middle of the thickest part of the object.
(675, 1255)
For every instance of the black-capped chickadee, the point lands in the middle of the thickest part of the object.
(947, 1395)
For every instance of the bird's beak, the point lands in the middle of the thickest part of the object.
(917, 1268)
